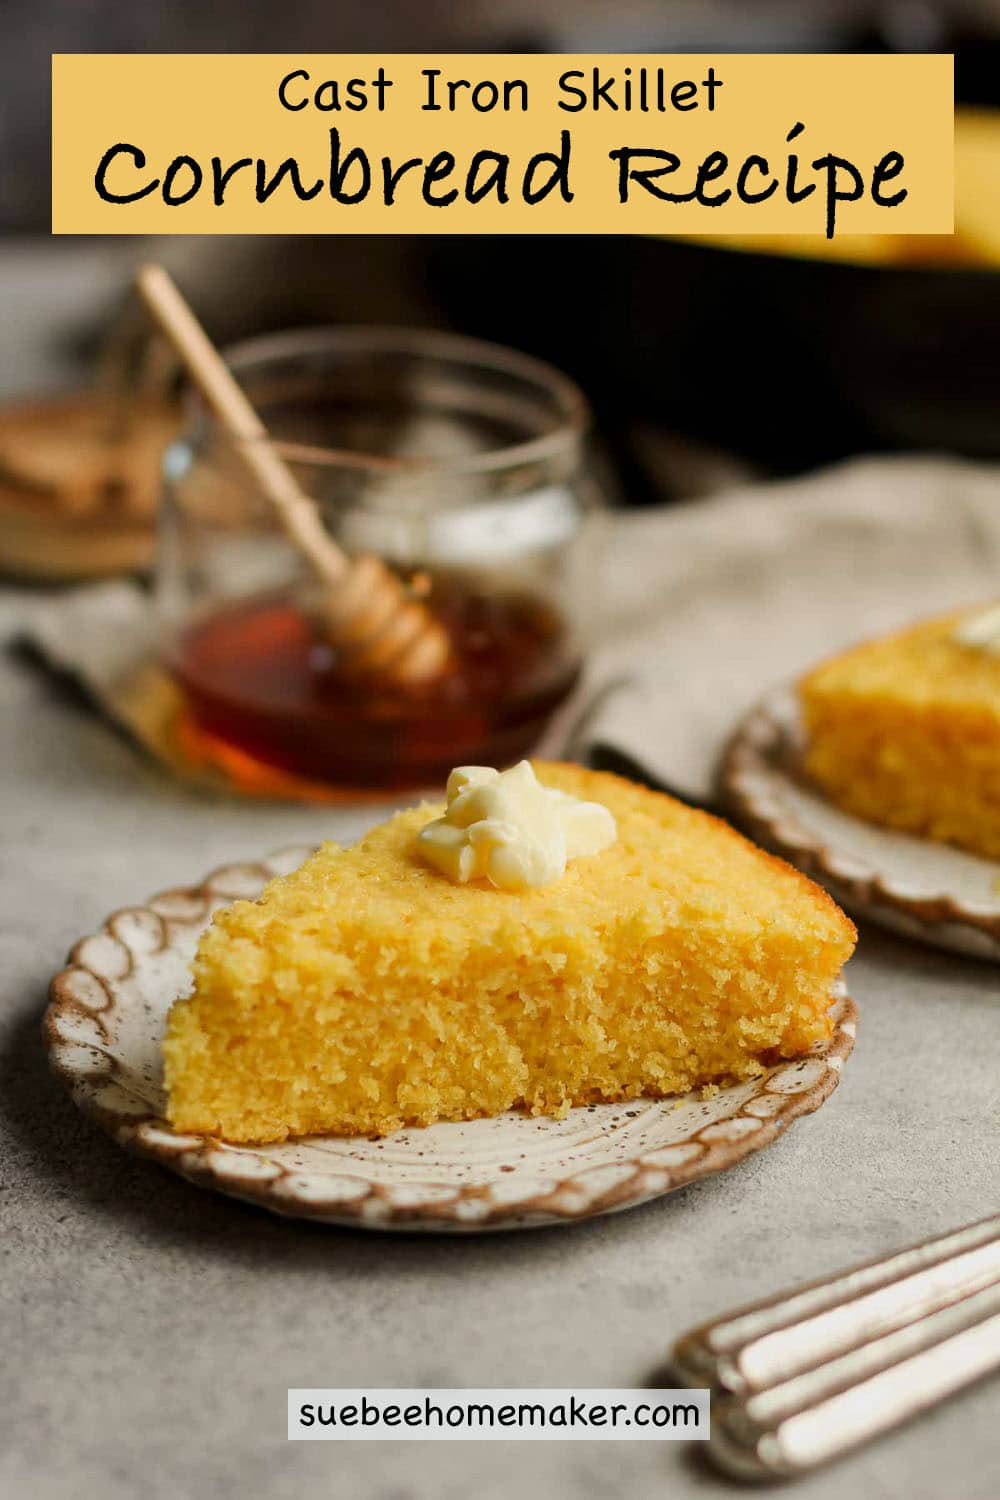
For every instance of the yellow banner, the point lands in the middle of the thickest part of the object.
(501, 144)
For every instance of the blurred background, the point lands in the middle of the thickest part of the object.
(705, 362)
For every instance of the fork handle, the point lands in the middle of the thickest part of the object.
(772, 1341)
(803, 1377)
(823, 1431)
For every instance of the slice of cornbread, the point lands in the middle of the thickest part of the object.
(366, 991)
(905, 731)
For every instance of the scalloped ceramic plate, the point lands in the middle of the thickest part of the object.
(103, 1030)
(921, 889)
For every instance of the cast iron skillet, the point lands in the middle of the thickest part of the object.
(790, 362)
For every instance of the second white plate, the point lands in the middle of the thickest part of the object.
(924, 890)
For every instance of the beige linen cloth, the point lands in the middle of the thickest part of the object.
(703, 608)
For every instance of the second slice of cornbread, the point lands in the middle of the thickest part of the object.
(904, 731)
(365, 991)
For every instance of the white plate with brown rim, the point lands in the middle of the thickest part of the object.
(104, 1028)
(913, 886)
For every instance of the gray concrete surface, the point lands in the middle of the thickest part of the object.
(150, 1331)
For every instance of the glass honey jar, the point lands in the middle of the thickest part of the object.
(464, 467)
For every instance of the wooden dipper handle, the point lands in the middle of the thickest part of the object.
(370, 618)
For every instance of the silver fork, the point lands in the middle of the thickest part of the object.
(801, 1378)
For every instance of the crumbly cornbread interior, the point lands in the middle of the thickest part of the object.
(905, 731)
(366, 991)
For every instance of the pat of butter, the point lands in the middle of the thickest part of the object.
(981, 630)
(506, 827)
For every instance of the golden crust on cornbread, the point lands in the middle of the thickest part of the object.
(905, 731)
(366, 991)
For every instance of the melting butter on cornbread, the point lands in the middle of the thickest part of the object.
(509, 829)
(980, 630)
(367, 991)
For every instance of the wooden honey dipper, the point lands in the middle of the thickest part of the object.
(367, 613)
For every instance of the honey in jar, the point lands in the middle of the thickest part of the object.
(258, 676)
